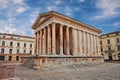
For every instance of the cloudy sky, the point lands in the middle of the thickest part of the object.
(17, 16)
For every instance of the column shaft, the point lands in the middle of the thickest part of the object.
(84, 41)
(94, 44)
(35, 47)
(75, 42)
(80, 41)
(67, 41)
(48, 40)
(40, 43)
(53, 39)
(61, 40)
(73, 45)
(37, 43)
(44, 42)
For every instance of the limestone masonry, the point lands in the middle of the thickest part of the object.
(61, 40)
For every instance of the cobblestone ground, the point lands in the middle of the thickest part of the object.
(106, 71)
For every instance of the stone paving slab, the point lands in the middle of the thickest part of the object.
(106, 71)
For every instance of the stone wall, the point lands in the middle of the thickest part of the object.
(7, 71)
(57, 61)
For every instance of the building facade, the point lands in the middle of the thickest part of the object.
(61, 40)
(110, 45)
(12, 47)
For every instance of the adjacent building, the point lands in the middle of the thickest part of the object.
(12, 47)
(110, 45)
(61, 40)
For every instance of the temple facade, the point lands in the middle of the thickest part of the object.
(61, 40)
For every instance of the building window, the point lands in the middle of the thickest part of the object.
(18, 44)
(11, 37)
(2, 50)
(100, 42)
(117, 40)
(109, 48)
(11, 43)
(118, 47)
(3, 43)
(3, 36)
(17, 51)
(30, 45)
(108, 41)
(2, 58)
(17, 58)
(24, 44)
(116, 33)
(24, 51)
(10, 51)
(10, 58)
(30, 51)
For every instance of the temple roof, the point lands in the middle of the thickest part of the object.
(50, 14)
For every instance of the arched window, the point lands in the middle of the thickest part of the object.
(10, 58)
(11, 43)
(17, 58)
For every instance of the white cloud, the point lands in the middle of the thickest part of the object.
(18, 2)
(116, 24)
(3, 4)
(21, 9)
(34, 15)
(108, 8)
(57, 2)
(81, 1)
(7, 27)
(52, 8)
(68, 11)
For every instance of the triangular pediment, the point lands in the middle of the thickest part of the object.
(41, 18)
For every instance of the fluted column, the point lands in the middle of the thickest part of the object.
(44, 41)
(88, 39)
(40, 41)
(48, 40)
(80, 42)
(37, 43)
(61, 39)
(91, 37)
(93, 42)
(86, 44)
(99, 51)
(53, 39)
(67, 41)
(75, 42)
(94, 45)
(84, 41)
(73, 45)
(35, 47)
(83, 44)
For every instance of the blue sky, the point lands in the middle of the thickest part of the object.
(17, 16)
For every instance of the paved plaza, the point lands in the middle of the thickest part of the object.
(105, 71)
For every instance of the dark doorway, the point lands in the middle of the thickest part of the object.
(2, 58)
(10, 58)
(110, 56)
